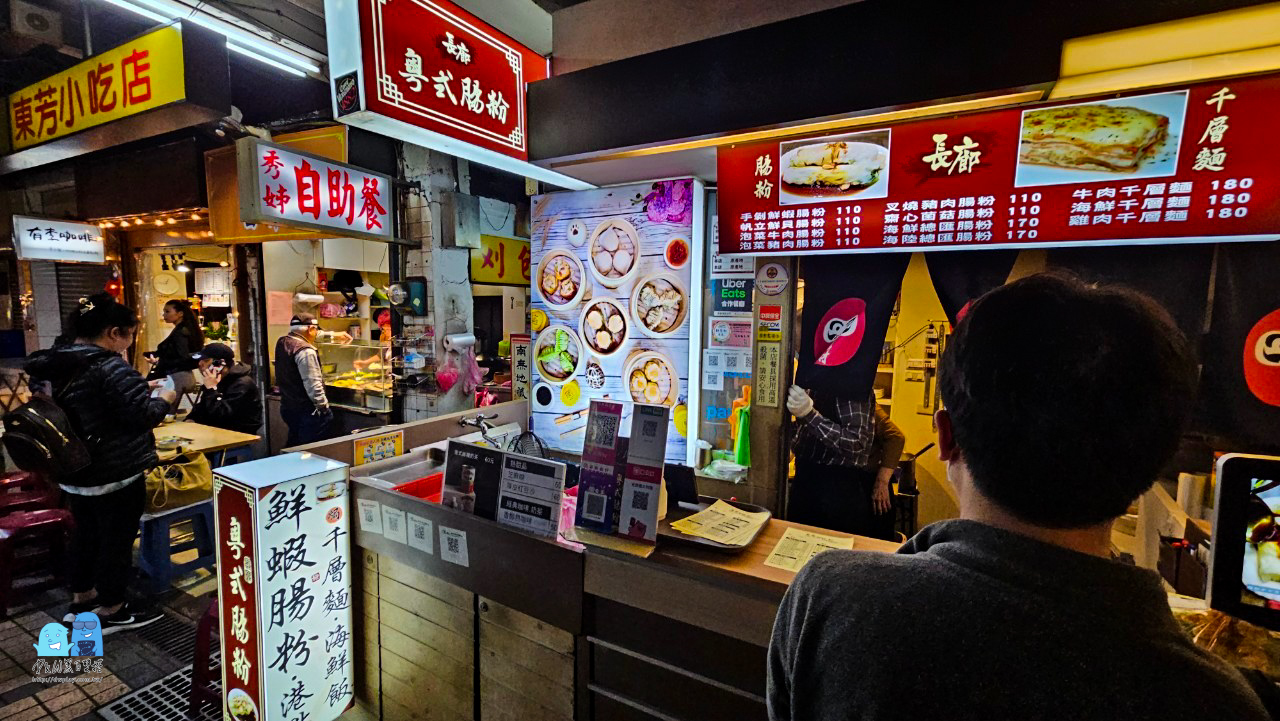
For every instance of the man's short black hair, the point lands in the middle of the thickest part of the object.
(1066, 399)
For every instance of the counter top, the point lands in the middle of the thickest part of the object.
(732, 594)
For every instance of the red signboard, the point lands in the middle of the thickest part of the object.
(238, 596)
(431, 64)
(1155, 167)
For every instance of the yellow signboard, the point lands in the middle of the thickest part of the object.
(500, 261)
(144, 73)
(377, 448)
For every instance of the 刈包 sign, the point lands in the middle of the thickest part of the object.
(1189, 164)
(63, 241)
(144, 73)
(500, 261)
(282, 185)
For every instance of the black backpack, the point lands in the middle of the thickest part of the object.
(40, 437)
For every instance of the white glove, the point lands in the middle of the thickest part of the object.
(799, 402)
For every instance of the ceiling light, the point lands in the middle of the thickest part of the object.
(159, 222)
(195, 216)
(182, 268)
(258, 47)
(171, 221)
(264, 59)
(108, 224)
(223, 263)
(124, 224)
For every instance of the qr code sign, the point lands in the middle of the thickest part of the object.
(604, 431)
(594, 510)
(640, 500)
(420, 531)
(453, 544)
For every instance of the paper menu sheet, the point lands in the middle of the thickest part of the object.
(797, 547)
(723, 523)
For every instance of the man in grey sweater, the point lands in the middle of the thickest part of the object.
(1063, 401)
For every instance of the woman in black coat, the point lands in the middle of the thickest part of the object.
(112, 410)
(173, 356)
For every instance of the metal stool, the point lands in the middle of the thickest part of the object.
(44, 534)
(155, 551)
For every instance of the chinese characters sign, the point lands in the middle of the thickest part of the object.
(377, 448)
(289, 187)
(60, 240)
(285, 588)
(144, 73)
(500, 261)
(433, 65)
(1171, 166)
(521, 366)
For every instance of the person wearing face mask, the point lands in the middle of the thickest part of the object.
(113, 412)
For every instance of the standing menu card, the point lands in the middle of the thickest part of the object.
(642, 484)
(598, 484)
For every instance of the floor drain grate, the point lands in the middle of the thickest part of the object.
(173, 635)
(164, 700)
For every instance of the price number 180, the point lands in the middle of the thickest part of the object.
(1236, 199)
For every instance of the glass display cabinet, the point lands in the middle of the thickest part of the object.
(357, 375)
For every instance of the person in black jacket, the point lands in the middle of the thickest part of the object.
(229, 395)
(112, 409)
(173, 356)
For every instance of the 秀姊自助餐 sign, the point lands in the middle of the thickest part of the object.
(64, 241)
(1178, 165)
(282, 185)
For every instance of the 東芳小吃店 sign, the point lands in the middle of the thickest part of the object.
(1178, 165)
(282, 185)
(429, 72)
(64, 241)
(142, 74)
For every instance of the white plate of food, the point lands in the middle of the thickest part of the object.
(558, 354)
(1104, 140)
(659, 304)
(830, 171)
(614, 252)
(560, 280)
(603, 326)
(651, 378)
(240, 706)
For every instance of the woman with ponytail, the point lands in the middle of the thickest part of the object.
(173, 355)
(111, 409)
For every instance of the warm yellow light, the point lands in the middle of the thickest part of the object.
(124, 224)
(195, 216)
(223, 263)
(171, 221)
(108, 224)
(159, 222)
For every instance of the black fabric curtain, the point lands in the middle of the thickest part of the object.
(959, 277)
(1240, 381)
(875, 279)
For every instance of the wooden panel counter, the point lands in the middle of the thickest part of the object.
(684, 633)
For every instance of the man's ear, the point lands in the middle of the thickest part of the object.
(947, 448)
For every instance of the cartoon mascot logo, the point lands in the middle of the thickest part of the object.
(840, 332)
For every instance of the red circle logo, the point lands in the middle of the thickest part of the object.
(334, 515)
(1262, 359)
(839, 334)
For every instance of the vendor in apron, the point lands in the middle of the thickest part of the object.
(846, 453)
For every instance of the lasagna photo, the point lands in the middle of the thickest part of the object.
(1099, 141)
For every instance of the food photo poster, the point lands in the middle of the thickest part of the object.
(615, 308)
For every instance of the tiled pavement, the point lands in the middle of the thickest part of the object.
(128, 663)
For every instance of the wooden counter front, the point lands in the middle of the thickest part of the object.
(683, 634)
(731, 594)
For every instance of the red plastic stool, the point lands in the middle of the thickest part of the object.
(22, 491)
(206, 681)
(45, 531)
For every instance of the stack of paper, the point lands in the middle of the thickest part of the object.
(797, 547)
(723, 523)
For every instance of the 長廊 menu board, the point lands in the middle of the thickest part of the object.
(1164, 166)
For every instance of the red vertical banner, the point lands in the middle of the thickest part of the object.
(238, 600)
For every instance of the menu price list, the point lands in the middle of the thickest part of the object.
(1204, 173)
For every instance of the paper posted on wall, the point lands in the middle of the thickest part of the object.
(797, 547)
